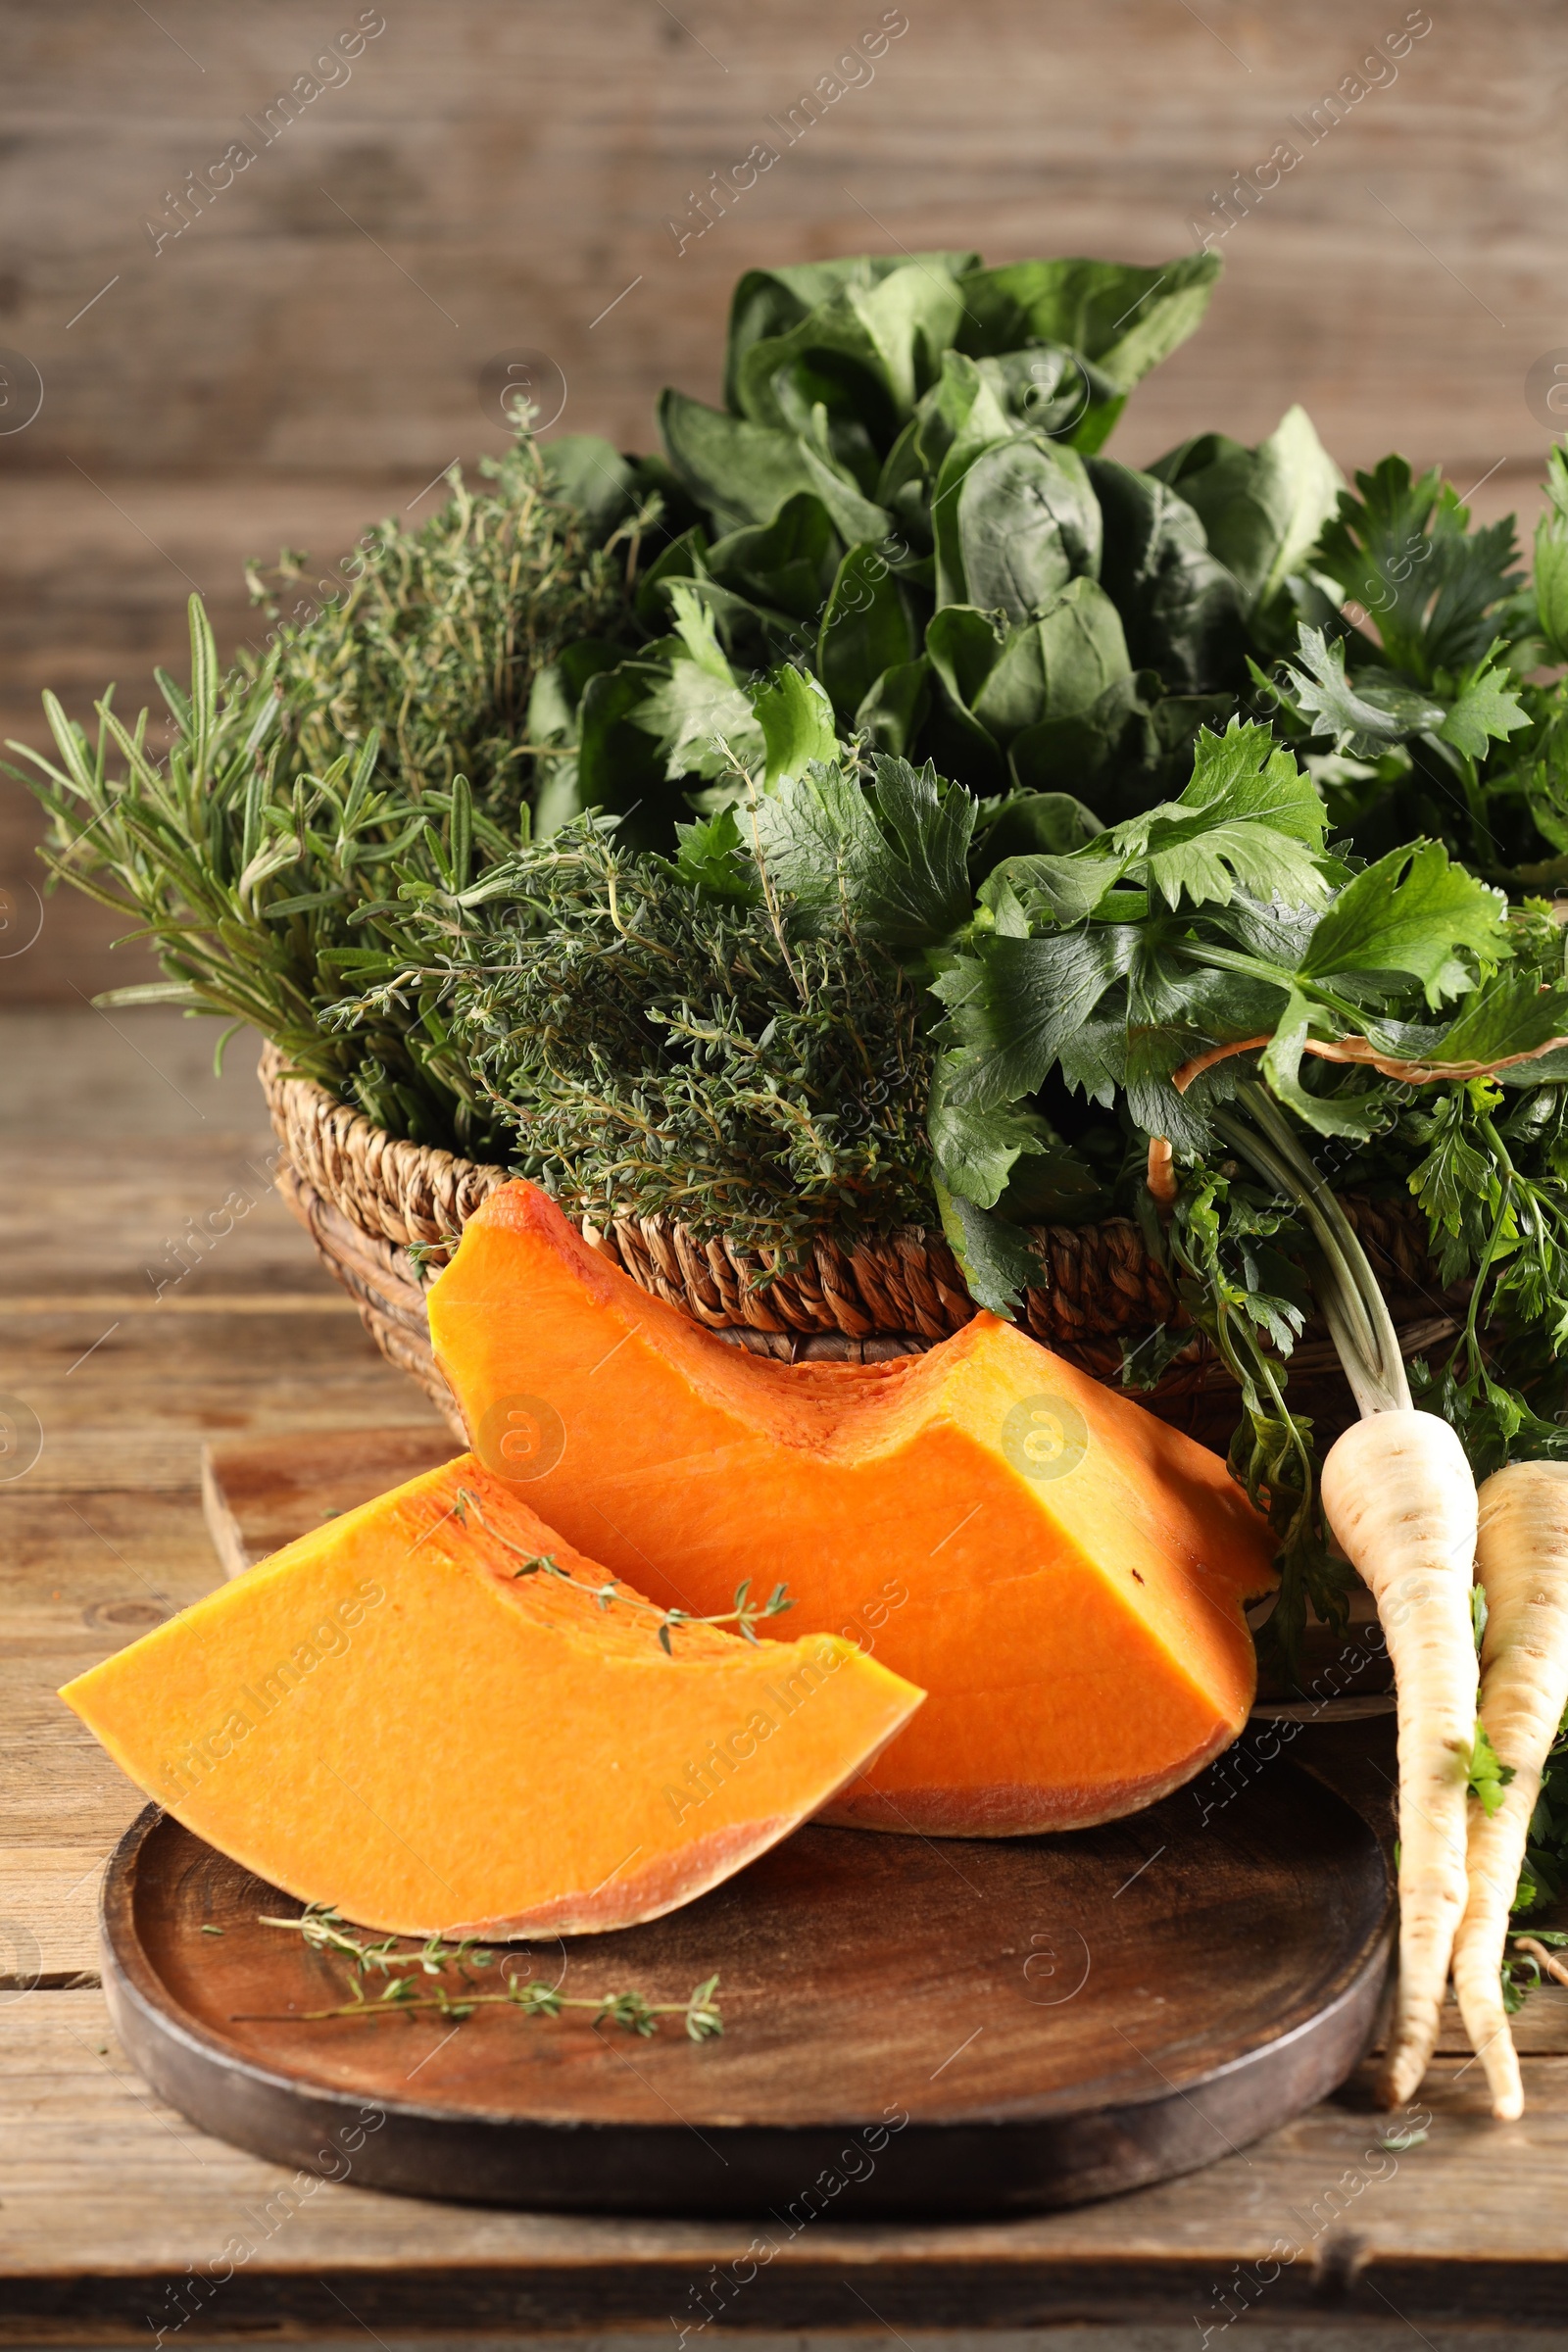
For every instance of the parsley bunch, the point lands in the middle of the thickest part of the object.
(1242, 998)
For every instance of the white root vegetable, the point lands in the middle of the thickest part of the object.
(1399, 1495)
(1522, 1560)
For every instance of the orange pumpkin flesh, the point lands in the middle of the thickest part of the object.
(387, 1717)
(1060, 1571)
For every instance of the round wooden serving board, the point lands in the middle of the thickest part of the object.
(912, 2026)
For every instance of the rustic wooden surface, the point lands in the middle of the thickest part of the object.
(1005, 2027)
(258, 1493)
(107, 2200)
(493, 174)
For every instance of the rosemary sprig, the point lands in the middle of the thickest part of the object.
(325, 1930)
(378, 744)
(745, 1616)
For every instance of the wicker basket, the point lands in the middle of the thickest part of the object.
(364, 1197)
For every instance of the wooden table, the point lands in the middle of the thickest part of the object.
(112, 1136)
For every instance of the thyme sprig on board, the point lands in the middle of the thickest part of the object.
(745, 1616)
(325, 1930)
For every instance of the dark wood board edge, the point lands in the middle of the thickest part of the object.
(942, 2171)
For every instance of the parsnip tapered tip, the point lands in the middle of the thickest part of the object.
(1508, 2106)
(1398, 2083)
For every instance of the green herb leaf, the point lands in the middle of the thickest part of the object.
(1413, 911)
(1489, 1774)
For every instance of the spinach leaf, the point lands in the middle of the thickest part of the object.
(1124, 317)
(768, 303)
(1027, 523)
(1180, 607)
(866, 629)
(1055, 666)
(1262, 510)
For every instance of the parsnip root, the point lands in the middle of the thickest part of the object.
(1400, 1497)
(1522, 1560)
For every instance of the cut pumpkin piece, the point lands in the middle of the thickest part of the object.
(1061, 1572)
(407, 1716)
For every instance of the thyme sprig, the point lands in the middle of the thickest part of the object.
(745, 1616)
(325, 1930)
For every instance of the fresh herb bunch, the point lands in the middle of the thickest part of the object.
(430, 640)
(904, 494)
(257, 891)
(373, 745)
(737, 1037)
(1441, 722)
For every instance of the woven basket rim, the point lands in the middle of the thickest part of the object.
(1101, 1292)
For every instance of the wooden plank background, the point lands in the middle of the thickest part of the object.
(495, 176)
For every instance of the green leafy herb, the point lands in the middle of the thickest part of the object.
(1139, 969)
(411, 1982)
(1489, 1774)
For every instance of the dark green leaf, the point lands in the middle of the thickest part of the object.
(1365, 719)
(1404, 551)
(1030, 823)
(995, 1258)
(871, 349)
(866, 630)
(1180, 607)
(1511, 1015)
(593, 474)
(1124, 317)
(902, 880)
(769, 302)
(1037, 992)
(683, 558)
(1056, 667)
(963, 645)
(787, 563)
(892, 715)
(743, 472)
(1551, 560)
(1262, 508)
(1027, 523)
(620, 767)
(1248, 816)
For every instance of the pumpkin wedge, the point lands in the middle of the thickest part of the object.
(409, 1716)
(1061, 1572)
